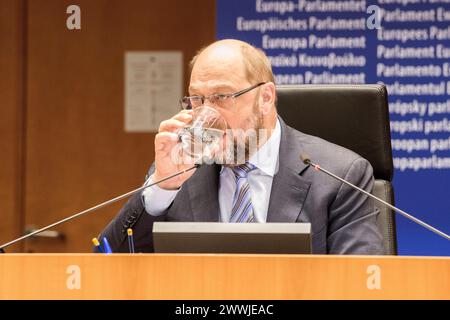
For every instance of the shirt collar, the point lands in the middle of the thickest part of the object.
(266, 158)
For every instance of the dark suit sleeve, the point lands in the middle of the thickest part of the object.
(352, 216)
(132, 215)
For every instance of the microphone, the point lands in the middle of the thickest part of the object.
(103, 204)
(306, 160)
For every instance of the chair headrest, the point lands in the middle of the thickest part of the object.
(353, 116)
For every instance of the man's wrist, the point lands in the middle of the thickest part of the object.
(157, 200)
(166, 185)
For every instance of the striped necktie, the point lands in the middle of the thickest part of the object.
(242, 210)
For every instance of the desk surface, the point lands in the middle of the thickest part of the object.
(203, 276)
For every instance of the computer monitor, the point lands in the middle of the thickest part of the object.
(216, 237)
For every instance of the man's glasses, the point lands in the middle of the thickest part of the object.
(224, 101)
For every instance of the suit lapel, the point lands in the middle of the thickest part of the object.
(289, 188)
(203, 190)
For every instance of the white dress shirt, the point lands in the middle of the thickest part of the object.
(157, 200)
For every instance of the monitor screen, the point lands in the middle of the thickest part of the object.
(216, 237)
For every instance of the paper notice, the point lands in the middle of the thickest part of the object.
(153, 87)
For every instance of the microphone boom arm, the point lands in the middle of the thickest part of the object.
(101, 205)
(306, 160)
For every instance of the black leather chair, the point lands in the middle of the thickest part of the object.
(355, 117)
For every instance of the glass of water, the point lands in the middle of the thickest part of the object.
(202, 139)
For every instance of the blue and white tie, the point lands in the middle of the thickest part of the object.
(242, 210)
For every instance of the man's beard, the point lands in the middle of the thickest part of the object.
(245, 145)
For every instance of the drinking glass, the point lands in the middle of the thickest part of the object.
(202, 139)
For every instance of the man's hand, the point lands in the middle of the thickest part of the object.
(165, 140)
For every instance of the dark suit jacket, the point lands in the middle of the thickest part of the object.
(343, 221)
